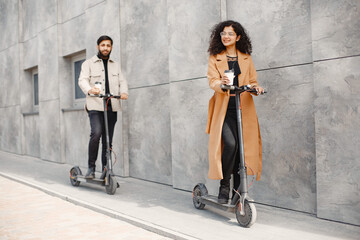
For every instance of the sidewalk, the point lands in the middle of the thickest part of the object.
(28, 213)
(155, 207)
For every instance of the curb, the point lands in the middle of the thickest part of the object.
(117, 215)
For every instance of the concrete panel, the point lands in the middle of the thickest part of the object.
(77, 132)
(189, 24)
(287, 128)
(280, 30)
(149, 134)
(335, 28)
(29, 13)
(9, 90)
(189, 142)
(337, 102)
(10, 125)
(9, 15)
(47, 14)
(31, 135)
(119, 166)
(30, 53)
(107, 24)
(145, 36)
(2, 80)
(49, 114)
(70, 9)
(48, 64)
(66, 83)
(73, 36)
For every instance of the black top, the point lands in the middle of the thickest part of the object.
(107, 88)
(233, 64)
(105, 61)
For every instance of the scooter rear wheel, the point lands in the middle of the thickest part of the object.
(250, 214)
(74, 172)
(111, 187)
(199, 191)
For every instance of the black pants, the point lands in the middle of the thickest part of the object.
(98, 131)
(230, 155)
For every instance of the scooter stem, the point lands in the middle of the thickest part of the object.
(242, 168)
(242, 191)
(108, 155)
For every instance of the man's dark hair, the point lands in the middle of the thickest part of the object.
(216, 46)
(104, 37)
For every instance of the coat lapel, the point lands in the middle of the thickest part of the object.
(244, 66)
(221, 63)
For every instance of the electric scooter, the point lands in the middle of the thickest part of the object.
(241, 203)
(107, 177)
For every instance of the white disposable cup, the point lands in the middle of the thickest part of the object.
(98, 85)
(230, 75)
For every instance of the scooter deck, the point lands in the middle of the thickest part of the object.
(213, 201)
(81, 178)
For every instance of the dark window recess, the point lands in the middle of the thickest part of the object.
(77, 69)
(36, 89)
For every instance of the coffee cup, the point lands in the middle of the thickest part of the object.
(230, 75)
(98, 85)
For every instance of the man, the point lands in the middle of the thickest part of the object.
(101, 69)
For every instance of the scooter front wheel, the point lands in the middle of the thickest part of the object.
(199, 191)
(74, 172)
(249, 217)
(111, 187)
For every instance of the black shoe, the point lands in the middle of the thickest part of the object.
(90, 174)
(224, 191)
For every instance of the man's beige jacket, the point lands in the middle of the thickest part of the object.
(92, 70)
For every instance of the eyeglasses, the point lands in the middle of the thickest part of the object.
(231, 34)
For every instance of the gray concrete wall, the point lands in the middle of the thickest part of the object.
(10, 122)
(286, 113)
(307, 55)
(145, 39)
(336, 56)
(189, 91)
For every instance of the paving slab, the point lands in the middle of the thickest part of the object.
(29, 213)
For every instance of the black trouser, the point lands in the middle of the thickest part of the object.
(98, 131)
(230, 155)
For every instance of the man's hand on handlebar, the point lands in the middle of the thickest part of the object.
(96, 92)
(123, 96)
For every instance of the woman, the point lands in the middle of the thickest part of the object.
(230, 48)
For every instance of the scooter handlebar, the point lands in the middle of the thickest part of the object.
(108, 95)
(235, 88)
(244, 88)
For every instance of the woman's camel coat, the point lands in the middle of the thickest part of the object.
(217, 111)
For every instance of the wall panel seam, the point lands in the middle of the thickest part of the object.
(336, 58)
(286, 66)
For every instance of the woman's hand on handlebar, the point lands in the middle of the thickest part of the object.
(94, 91)
(259, 90)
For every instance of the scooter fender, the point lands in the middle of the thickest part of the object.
(244, 197)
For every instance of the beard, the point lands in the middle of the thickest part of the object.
(103, 56)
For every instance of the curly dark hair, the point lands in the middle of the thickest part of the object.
(216, 46)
